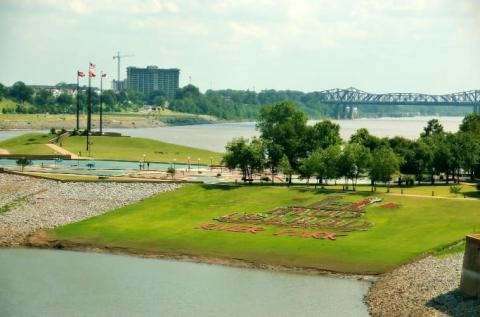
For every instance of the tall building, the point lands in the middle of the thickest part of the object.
(152, 78)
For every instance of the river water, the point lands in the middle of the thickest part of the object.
(63, 283)
(215, 136)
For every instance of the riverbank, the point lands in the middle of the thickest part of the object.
(110, 120)
(428, 287)
(29, 204)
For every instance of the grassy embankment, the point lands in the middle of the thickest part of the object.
(166, 224)
(114, 120)
(112, 148)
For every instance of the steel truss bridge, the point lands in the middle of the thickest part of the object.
(346, 99)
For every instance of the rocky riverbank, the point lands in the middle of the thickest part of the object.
(29, 204)
(428, 287)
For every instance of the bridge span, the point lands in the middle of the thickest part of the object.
(346, 99)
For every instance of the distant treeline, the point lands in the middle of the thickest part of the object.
(226, 104)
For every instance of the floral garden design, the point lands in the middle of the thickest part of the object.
(330, 213)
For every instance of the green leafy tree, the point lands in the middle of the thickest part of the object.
(433, 128)
(363, 137)
(286, 169)
(21, 92)
(471, 124)
(248, 157)
(323, 134)
(385, 163)
(23, 161)
(285, 125)
(353, 162)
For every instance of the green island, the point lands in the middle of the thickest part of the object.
(169, 224)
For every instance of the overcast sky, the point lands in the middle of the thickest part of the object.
(430, 46)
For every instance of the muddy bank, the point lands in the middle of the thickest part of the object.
(428, 287)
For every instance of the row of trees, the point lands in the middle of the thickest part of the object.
(288, 145)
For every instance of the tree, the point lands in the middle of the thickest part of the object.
(471, 124)
(353, 162)
(433, 128)
(362, 136)
(323, 134)
(468, 152)
(43, 97)
(312, 165)
(23, 161)
(248, 157)
(64, 100)
(286, 169)
(274, 153)
(283, 124)
(21, 92)
(3, 91)
(385, 163)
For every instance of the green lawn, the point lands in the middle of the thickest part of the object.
(113, 148)
(132, 149)
(167, 223)
(29, 143)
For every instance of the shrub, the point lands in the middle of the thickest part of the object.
(53, 131)
(455, 189)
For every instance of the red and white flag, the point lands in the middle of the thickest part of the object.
(92, 66)
(80, 74)
(91, 74)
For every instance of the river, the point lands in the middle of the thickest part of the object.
(215, 136)
(63, 283)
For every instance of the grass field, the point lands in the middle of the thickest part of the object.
(29, 143)
(167, 223)
(133, 149)
(112, 148)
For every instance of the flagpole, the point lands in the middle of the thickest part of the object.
(78, 101)
(101, 97)
(89, 107)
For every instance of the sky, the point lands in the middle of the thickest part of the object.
(427, 46)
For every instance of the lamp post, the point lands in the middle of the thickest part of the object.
(198, 165)
(143, 165)
(174, 161)
(211, 163)
(188, 159)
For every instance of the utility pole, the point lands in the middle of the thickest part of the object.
(118, 57)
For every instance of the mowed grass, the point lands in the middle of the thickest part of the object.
(29, 143)
(168, 224)
(133, 149)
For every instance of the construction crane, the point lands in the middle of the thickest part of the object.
(118, 57)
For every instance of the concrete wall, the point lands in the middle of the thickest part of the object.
(470, 283)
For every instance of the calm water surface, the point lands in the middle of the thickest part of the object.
(215, 136)
(63, 283)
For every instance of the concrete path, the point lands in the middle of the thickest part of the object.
(432, 197)
(62, 151)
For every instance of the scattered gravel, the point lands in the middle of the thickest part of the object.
(29, 204)
(428, 287)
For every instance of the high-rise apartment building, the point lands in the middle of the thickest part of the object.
(152, 78)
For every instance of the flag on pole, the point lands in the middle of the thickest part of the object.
(104, 75)
(80, 74)
(91, 74)
(92, 66)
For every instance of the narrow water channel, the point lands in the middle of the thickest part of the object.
(62, 283)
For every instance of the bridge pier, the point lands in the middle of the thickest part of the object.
(476, 108)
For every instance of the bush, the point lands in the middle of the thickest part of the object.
(53, 131)
(455, 189)
(478, 186)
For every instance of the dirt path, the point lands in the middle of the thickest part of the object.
(3, 151)
(62, 151)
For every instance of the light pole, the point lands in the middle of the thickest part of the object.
(188, 159)
(211, 163)
(174, 161)
(144, 155)
(198, 165)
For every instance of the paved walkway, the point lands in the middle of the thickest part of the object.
(433, 197)
(62, 151)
